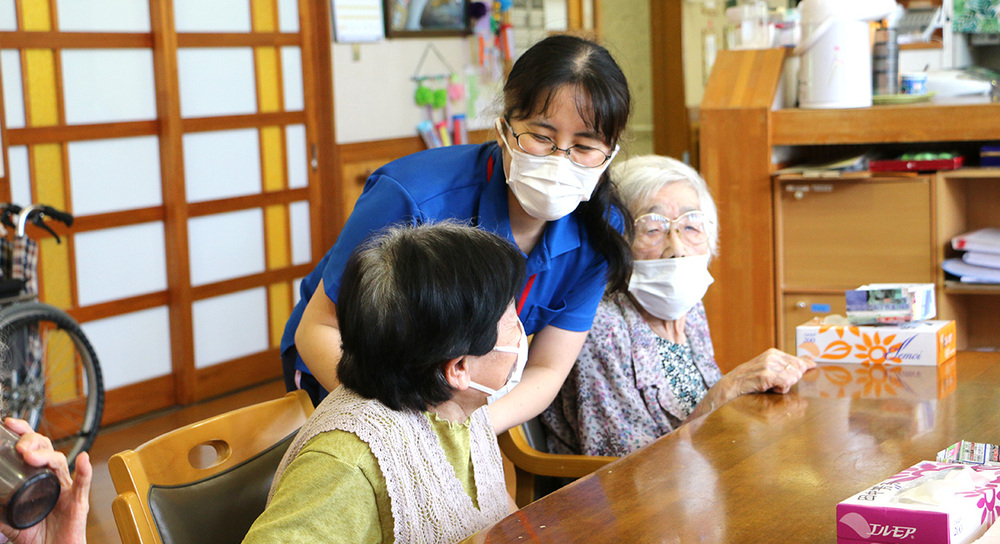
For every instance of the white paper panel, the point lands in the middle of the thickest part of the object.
(291, 69)
(216, 81)
(295, 146)
(301, 240)
(226, 245)
(107, 85)
(103, 16)
(212, 16)
(13, 90)
(288, 15)
(20, 176)
(132, 347)
(221, 164)
(122, 262)
(115, 175)
(8, 16)
(230, 326)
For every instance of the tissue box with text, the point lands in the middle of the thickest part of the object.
(917, 343)
(928, 503)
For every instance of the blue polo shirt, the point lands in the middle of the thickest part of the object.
(566, 276)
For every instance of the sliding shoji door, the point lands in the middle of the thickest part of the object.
(184, 136)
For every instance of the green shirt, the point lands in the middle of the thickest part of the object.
(334, 490)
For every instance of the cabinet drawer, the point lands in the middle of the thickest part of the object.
(797, 308)
(842, 234)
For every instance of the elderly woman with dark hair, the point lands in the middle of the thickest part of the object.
(648, 365)
(405, 450)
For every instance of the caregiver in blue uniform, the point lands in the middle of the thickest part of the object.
(542, 185)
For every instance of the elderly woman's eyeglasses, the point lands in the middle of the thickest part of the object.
(653, 230)
(543, 146)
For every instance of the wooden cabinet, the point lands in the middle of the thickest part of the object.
(790, 246)
(358, 161)
(832, 233)
(967, 200)
(836, 234)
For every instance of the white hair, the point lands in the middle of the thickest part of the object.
(639, 178)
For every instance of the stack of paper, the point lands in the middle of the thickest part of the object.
(981, 261)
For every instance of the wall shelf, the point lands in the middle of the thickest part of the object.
(762, 286)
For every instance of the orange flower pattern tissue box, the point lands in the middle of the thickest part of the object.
(927, 343)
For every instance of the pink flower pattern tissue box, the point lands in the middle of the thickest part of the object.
(928, 503)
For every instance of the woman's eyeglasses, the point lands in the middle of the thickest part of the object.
(653, 230)
(543, 146)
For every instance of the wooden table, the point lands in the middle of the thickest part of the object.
(771, 468)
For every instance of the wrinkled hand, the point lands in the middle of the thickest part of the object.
(773, 370)
(67, 523)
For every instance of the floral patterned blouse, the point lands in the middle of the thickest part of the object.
(620, 396)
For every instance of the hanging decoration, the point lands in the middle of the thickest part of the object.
(436, 92)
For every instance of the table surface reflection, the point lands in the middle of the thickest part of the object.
(771, 468)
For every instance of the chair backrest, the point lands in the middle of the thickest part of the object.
(206, 482)
(525, 447)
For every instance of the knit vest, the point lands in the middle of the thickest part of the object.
(429, 503)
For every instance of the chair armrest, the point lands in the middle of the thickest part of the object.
(515, 446)
(132, 525)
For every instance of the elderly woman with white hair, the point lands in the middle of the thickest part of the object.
(648, 364)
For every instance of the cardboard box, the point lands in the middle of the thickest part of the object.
(880, 303)
(970, 453)
(928, 503)
(927, 343)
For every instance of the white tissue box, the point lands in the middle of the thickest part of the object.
(928, 503)
(918, 343)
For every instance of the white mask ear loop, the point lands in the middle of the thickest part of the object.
(514, 377)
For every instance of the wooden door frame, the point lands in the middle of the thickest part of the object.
(671, 130)
(325, 181)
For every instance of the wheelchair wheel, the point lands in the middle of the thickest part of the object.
(50, 376)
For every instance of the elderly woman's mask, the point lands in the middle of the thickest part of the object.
(669, 288)
(521, 349)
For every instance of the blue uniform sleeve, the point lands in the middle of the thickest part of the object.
(383, 203)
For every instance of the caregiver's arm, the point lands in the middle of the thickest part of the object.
(552, 354)
(318, 338)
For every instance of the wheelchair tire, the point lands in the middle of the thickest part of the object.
(50, 375)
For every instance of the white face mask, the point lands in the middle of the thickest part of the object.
(550, 187)
(669, 288)
(515, 373)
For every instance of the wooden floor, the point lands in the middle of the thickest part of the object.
(101, 523)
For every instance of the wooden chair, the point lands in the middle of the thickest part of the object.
(525, 447)
(206, 482)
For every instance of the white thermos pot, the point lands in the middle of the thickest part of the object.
(836, 66)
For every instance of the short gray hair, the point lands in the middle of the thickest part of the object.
(639, 178)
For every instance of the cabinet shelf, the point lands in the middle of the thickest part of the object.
(952, 287)
(956, 120)
(787, 252)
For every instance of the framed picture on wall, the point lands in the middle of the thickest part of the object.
(426, 18)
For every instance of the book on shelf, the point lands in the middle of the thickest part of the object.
(983, 240)
(970, 273)
(989, 260)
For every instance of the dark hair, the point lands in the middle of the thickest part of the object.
(604, 102)
(412, 298)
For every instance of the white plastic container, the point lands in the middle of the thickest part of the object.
(836, 66)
